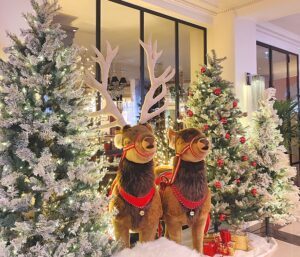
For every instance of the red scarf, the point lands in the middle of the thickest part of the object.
(138, 202)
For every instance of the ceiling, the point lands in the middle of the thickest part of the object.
(218, 6)
(290, 23)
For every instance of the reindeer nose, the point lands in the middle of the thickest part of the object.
(205, 142)
(149, 142)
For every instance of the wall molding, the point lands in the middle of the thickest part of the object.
(281, 34)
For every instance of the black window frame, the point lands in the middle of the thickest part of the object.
(142, 11)
(287, 53)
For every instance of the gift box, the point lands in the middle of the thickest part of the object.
(225, 236)
(210, 248)
(241, 241)
(212, 237)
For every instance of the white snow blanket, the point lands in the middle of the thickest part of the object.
(166, 248)
(158, 248)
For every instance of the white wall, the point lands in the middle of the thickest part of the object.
(245, 59)
(11, 19)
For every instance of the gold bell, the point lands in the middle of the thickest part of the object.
(142, 213)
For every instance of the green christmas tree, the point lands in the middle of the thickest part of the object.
(49, 203)
(213, 108)
(164, 154)
(274, 174)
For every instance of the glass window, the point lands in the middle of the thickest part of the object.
(263, 60)
(191, 57)
(293, 82)
(279, 63)
(286, 81)
(120, 25)
(293, 67)
(162, 30)
(78, 19)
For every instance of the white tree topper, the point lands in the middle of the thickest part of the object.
(110, 108)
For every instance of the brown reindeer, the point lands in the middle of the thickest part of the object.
(186, 198)
(134, 193)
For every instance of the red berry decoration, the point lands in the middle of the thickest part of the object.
(238, 181)
(227, 135)
(218, 91)
(253, 164)
(254, 191)
(203, 69)
(222, 217)
(218, 184)
(243, 140)
(235, 104)
(245, 158)
(189, 113)
(220, 163)
(223, 120)
(205, 127)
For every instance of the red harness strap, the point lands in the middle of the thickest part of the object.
(188, 147)
(186, 202)
(138, 202)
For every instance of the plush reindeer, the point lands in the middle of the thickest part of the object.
(134, 193)
(186, 198)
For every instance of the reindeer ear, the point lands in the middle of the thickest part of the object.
(172, 136)
(118, 140)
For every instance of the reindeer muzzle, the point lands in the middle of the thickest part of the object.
(203, 144)
(148, 143)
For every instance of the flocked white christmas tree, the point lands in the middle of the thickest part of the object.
(49, 202)
(274, 174)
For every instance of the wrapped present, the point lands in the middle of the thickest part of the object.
(241, 241)
(210, 248)
(225, 235)
(212, 237)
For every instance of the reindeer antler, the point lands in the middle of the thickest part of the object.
(150, 100)
(110, 107)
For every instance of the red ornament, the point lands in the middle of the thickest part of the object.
(235, 104)
(203, 69)
(227, 135)
(220, 163)
(253, 164)
(218, 184)
(190, 93)
(238, 181)
(205, 127)
(245, 158)
(254, 191)
(218, 91)
(222, 217)
(189, 113)
(223, 120)
(243, 140)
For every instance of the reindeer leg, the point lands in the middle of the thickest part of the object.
(148, 234)
(174, 231)
(167, 232)
(198, 232)
(122, 233)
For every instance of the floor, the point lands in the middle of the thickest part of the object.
(288, 239)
